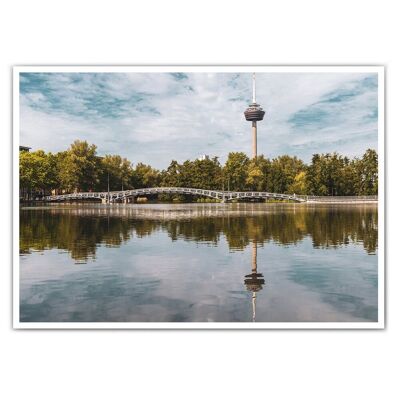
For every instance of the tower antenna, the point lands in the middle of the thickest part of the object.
(254, 87)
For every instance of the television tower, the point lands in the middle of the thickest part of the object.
(254, 113)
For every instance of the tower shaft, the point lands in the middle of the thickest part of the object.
(253, 301)
(254, 132)
(254, 258)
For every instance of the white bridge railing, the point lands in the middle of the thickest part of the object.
(116, 196)
(339, 199)
(216, 194)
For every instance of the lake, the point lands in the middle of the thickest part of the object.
(243, 262)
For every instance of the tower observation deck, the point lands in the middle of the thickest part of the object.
(254, 113)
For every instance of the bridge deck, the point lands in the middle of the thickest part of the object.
(121, 195)
(216, 194)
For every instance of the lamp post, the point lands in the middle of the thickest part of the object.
(108, 187)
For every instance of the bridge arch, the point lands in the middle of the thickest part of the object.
(224, 196)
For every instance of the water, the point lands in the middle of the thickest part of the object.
(188, 263)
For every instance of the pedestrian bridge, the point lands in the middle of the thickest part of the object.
(129, 195)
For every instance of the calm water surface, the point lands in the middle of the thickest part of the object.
(199, 263)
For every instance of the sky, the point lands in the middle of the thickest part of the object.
(158, 117)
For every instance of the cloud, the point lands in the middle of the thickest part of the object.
(156, 117)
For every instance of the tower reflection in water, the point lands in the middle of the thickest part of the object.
(254, 282)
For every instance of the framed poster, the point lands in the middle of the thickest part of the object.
(198, 197)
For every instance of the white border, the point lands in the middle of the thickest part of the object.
(380, 70)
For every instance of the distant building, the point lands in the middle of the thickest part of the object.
(207, 157)
(24, 148)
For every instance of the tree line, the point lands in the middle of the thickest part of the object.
(81, 169)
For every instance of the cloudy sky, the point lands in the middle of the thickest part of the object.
(156, 117)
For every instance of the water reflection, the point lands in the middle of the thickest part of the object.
(196, 263)
(254, 282)
(81, 230)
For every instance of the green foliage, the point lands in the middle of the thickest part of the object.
(282, 173)
(145, 176)
(299, 185)
(204, 174)
(38, 170)
(335, 175)
(256, 173)
(171, 177)
(235, 171)
(367, 170)
(79, 168)
(115, 172)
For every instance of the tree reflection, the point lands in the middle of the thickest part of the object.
(81, 231)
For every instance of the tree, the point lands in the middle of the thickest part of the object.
(38, 170)
(282, 173)
(326, 174)
(257, 173)
(205, 174)
(145, 176)
(171, 176)
(28, 171)
(367, 171)
(115, 171)
(335, 175)
(235, 171)
(79, 167)
(299, 185)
